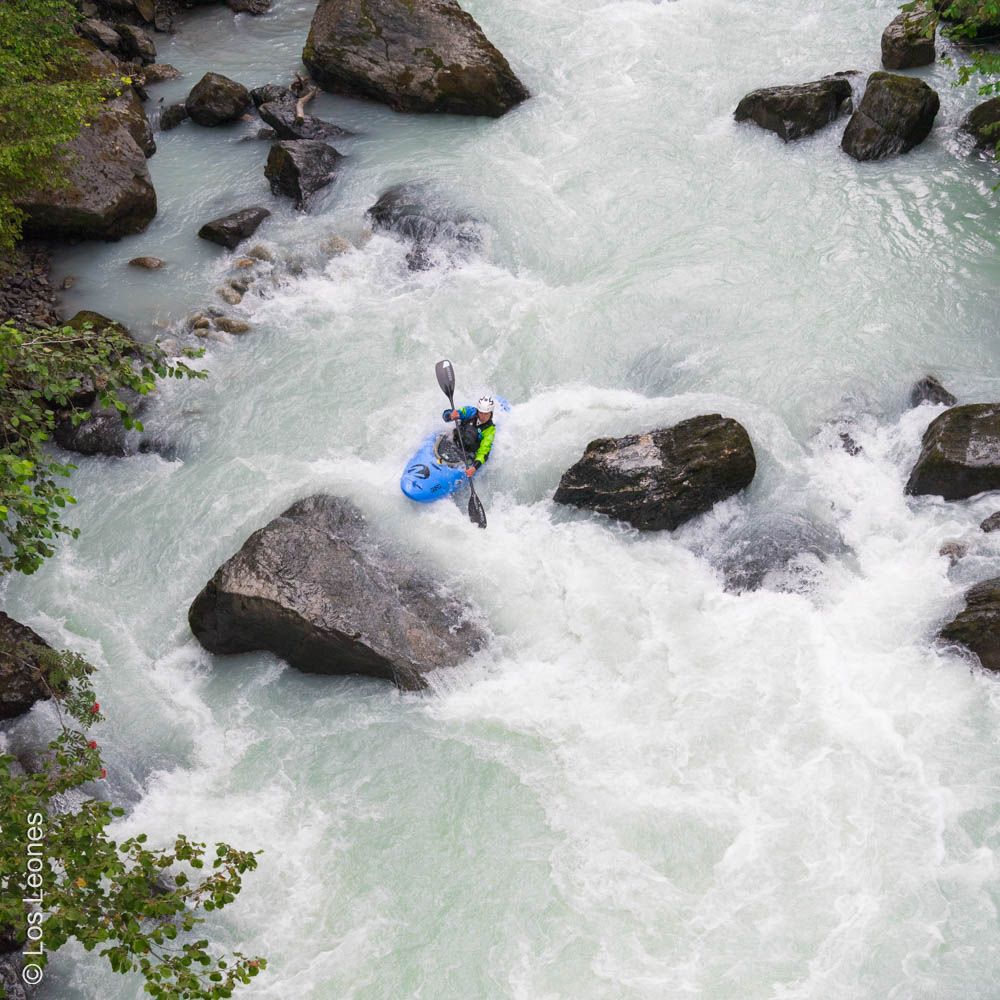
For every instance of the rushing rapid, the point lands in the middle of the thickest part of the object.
(723, 762)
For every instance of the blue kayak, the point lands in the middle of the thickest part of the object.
(435, 471)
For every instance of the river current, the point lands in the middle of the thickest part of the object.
(653, 783)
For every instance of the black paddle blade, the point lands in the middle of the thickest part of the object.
(446, 377)
(476, 513)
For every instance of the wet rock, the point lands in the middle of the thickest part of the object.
(23, 674)
(299, 168)
(101, 34)
(266, 133)
(172, 116)
(280, 115)
(991, 523)
(418, 213)
(320, 590)
(103, 433)
(107, 192)
(905, 42)
(160, 72)
(983, 123)
(217, 100)
(232, 229)
(977, 626)
(424, 55)
(149, 263)
(254, 7)
(260, 252)
(930, 390)
(895, 114)
(136, 43)
(229, 325)
(230, 295)
(334, 246)
(960, 453)
(68, 282)
(799, 109)
(953, 551)
(11, 967)
(245, 262)
(849, 445)
(271, 92)
(132, 115)
(660, 479)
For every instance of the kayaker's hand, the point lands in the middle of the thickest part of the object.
(454, 415)
(470, 471)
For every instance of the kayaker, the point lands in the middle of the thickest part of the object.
(477, 430)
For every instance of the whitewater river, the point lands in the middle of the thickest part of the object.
(651, 784)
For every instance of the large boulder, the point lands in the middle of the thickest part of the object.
(317, 588)
(280, 115)
(101, 34)
(664, 477)
(23, 674)
(421, 55)
(983, 123)
(960, 453)
(930, 390)
(895, 114)
(107, 192)
(136, 43)
(232, 229)
(132, 115)
(216, 100)
(797, 109)
(419, 214)
(299, 168)
(906, 42)
(977, 626)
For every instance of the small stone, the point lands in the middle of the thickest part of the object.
(245, 262)
(149, 263)
(238, 286)
(849, 444)
(229, 295)
(260, 252)
(200, 322)
(229, 325)
(953, 551)
(335, 246)
(158, 72)
(68, 282)
(992, 523)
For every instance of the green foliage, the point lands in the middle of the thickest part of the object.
(137, 905)
(45, 373)
(48, 91)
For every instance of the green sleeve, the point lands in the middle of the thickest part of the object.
(485, 444)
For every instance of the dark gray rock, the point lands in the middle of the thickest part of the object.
(107, 192)
(977, 626)
(159, 73)
(136, 43)
(905, 42)
(132, 115)
(280, 115)
(983, 123)
(895, 114)
(660, 479)
(317, 588)
(930, 390)
(422, 55)
(798, 109)
(147, 263)
(991, 523)
(23, 674)
(103, 433)
(101, 34)
(299, 168)
(254, 7)
(232, 229)
(419, 214)
(270, 92)
(217, 100)
(11, 964)
(172, 116)
(960, 453)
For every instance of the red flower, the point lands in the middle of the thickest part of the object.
(104, 773)
(95, 708)
(92, 744)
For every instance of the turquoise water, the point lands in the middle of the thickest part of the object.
(648, 786)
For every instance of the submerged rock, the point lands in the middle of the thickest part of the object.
(983, 123)
(299, 168)
(991, 523)
(905, 42)
(798, 109)
(422, 55)
(960, 454)
(895, 114)
(232, 229)
(149, 263)
(664, 477)
(280, 115)
(316, 587)
(172, 116)
(930, 390)
(23, 676)
(977, 626)
(217, 100)
(416, 212)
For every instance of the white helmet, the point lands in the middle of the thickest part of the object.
(485, 405)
